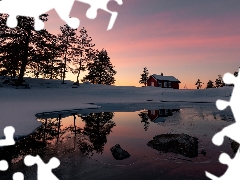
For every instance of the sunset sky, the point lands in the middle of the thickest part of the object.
(188, 39)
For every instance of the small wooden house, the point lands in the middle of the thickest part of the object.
(163, 81)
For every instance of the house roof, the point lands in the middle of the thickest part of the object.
(166, 78)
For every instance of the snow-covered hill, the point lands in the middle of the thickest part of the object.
(19, 106)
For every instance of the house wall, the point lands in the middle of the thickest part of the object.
(150, 80)
(175, 85)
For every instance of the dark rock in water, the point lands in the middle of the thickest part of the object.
(118, 153)
(177, 143)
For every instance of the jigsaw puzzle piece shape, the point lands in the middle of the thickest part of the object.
(223, 159)
(44, 170)
(101, 4)
(31, 8)
(235, 97)
(233, 167)
(63, 9)
(35, 8)
(229, 131)
(9, 140)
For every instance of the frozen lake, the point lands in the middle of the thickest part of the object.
(92, 132)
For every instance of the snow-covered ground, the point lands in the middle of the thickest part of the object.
(19, 106)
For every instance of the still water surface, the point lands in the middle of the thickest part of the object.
(95, 133)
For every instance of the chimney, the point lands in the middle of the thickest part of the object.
(161, 74)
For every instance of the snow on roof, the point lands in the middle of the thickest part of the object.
(167, 78)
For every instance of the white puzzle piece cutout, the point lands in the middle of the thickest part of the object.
(18, 176)
(35, 8)
(233, 167)
(3, 165)
(231, 131)
(44, 171)
(101, 4)
(9, 140)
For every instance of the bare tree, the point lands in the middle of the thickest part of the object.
(84, 52)
(67, 39)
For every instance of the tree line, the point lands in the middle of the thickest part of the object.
(25, 51)
(210, 84)
(216, 84)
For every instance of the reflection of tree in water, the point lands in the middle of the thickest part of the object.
(51, 129)
(98, 126)
(51, 132)
(36, 142)
(144, 119)
(73, 128)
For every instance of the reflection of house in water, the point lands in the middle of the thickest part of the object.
(160, 114)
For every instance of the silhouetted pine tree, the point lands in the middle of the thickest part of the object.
(219, 82)
(210, 84)
(21, 45)
(198, 84)
(144, 77)
(100, 69)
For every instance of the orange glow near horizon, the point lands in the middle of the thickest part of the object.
(190, 42)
